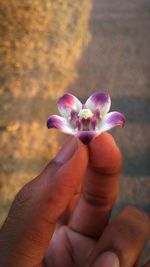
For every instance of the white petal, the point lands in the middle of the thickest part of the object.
(67, 103)
(99, 101)
(60, 123)
(111, 120)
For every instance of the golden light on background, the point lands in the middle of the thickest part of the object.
(40, 44)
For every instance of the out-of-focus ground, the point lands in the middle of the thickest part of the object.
(117, 60)
(40, 41)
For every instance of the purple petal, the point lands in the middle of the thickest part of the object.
(86, 136)
(111, 120)
(93, 123)
(96, 113)
(78, 124)
(59, 123)
(73, 117)
(99, 101)
(67, 103)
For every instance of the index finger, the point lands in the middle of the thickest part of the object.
(100, 188)
(30, 224)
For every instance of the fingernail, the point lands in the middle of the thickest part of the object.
(107, 259)
(67, 151)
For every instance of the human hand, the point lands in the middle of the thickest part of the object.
(30, 238)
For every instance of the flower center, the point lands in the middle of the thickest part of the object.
(85, 113)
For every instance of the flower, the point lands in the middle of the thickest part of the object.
(85, 120)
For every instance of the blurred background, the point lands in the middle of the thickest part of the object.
(49, 47)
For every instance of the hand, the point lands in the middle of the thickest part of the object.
(83, 237)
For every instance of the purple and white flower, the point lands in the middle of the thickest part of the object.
(85, 120)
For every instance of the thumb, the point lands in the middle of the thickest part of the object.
(31, 221)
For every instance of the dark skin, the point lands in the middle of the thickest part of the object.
(61, 218)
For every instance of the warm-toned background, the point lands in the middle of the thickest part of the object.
(40, 43)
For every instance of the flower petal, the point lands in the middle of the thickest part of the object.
(86, 136)
(60, 123)
(99, 100)
(73, 117)
(111, 120)
(67, 103)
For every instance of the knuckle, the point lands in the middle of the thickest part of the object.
(22, 201)
(136, 213)
(25, 195)
(131, 229)
(92, 198)
(136, 221)
(99, 199)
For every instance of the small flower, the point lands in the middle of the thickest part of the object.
(85, 120)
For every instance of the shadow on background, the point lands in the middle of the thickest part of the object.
(117, 61)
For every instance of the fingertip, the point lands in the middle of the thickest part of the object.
(74, 168)
(105, 154)
(104, 137)
(72, 148)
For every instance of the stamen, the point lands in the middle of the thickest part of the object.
(85, 113)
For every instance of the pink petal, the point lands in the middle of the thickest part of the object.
(67, 103)
(99, 101)
(111, 120)
(86, 136)
(96, 113)
(73, 117)
(59, 123)
(93, 123)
